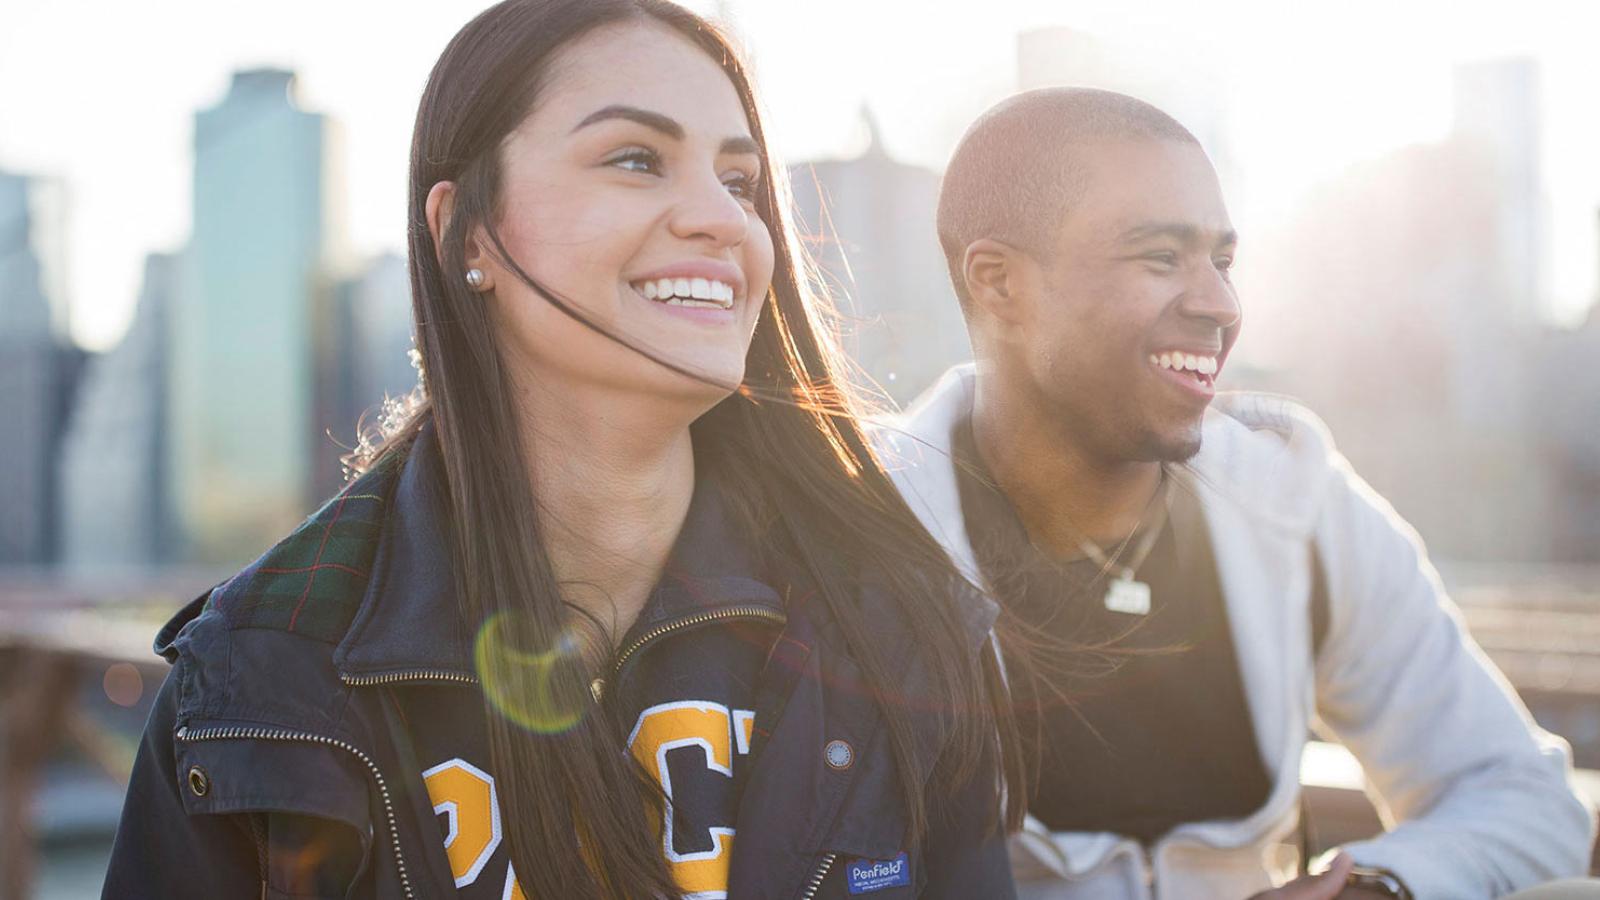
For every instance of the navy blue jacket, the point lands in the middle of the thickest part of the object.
(276, 763)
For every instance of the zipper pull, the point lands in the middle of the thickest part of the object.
(597, 687)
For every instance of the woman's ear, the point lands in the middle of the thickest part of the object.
(440, 206)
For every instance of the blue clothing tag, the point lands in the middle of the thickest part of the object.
(867, 875)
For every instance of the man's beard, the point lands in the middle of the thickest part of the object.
(1168, 450)
(1138, 441)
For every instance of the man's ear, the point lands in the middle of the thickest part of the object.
(997, 276)
(438, 208)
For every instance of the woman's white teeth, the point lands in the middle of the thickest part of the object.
(1203, 365)
(703, 292)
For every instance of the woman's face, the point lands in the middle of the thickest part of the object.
(630, 191)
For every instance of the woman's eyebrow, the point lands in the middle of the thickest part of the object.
(740, 145)
(652, 120)
(664, 124)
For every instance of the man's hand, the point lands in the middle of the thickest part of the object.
(1314, 887)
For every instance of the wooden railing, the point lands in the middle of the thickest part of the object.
(56, 631)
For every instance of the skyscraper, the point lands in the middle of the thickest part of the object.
(25, 308)
(36, 373)
(241, 370)
(871, 224)
(364, 346)
(113, 460)
(1405, 287)
(1498, 116)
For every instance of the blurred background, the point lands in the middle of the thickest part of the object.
(201, 291)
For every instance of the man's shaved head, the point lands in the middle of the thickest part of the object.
(1013, 178)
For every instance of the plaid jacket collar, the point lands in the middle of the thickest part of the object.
(408, 622)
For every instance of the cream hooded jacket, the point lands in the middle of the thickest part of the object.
(1478, 798)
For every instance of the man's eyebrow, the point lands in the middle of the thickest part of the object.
(664, 124)
(1182, 232)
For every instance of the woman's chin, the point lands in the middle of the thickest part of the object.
(690, 385)
(703, 380)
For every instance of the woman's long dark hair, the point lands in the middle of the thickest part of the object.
(787, 442)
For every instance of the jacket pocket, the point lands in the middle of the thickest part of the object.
(307, 857)
(307, 803)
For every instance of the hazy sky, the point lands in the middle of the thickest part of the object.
(102, 96)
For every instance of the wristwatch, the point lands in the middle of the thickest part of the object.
(1382, 882)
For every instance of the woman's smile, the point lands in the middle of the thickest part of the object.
(702, 290)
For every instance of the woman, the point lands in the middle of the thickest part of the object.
(626, 608)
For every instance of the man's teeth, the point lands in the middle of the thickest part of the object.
(704, 292)
(1203, 365)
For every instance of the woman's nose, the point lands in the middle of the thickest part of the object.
(706, 211)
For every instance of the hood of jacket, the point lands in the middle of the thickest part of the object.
(1265, 453)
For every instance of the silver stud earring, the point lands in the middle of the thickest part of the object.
(475, 278)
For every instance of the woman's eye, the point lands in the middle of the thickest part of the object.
(743, 186)
(637, 160)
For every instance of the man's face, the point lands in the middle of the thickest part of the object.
(1132, 314)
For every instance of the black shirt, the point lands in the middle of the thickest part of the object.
(1148, 728)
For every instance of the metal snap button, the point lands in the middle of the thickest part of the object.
(199, 781)
(838, 755)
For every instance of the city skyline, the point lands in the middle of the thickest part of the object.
(1315, 117)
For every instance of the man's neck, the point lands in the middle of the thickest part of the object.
(1063, 492)
(613, 477)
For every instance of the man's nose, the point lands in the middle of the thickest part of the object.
(1211, 296)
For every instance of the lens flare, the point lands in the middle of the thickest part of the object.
(123, 684)
(523, 684)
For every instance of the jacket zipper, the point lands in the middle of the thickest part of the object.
(814, 883)
(598, 686)
(747, 612)
(276, 734)
(408, 675)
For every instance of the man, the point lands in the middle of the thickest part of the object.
(1087, 473)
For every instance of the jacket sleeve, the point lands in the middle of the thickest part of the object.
(1479, 797)
(161, 851)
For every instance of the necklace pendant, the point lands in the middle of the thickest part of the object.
(1124, 595)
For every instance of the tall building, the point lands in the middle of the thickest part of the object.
(1498, 128)
(37, 370)
(241, 366)
(1403, 287)
(869, 222)
(1498, 116)
(1567, 415)
(364, 356)
(114, 496)
(28, 230)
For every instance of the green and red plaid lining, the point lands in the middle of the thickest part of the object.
(313, 581)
